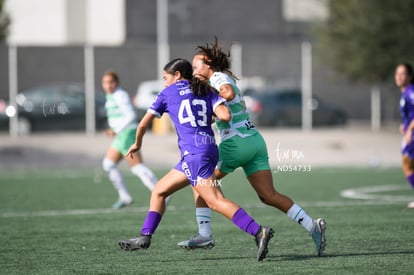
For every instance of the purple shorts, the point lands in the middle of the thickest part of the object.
(198, 166)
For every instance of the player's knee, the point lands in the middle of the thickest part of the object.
(108, 164)
(410, 165)
(262, 199)
(215, 205)
(158, 194)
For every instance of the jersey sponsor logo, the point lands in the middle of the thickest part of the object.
(186, 170)
(185, 92)
(203, 138)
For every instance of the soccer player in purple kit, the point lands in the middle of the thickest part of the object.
(191, 104)
(404, 78)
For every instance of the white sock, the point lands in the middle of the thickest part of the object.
(297, 214)
(119, 184)
(203, 216)
(147, 177)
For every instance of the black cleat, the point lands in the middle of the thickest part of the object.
(262, 239)
(141, 242)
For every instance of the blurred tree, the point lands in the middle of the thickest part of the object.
(364, 40)
(4, 22)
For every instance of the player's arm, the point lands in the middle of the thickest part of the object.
(411, 125)
(141, 129)
(110, 133)
(222, 112)
(401, 128)
(409, 132)
(226, 91)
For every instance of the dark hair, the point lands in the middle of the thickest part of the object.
(112, 74)
(199, 87)
(410, 71)
(215, 57)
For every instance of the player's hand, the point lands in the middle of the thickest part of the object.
(132, 150)
(110, 133)
(401, 129)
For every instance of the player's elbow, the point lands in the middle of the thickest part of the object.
(223, 113)
(226, 116)
(145, 121)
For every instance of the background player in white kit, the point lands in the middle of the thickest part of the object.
(122, 122)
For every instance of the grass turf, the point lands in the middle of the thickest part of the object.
(58, 222)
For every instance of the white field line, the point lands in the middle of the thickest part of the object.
(143, 209)
(372, 193)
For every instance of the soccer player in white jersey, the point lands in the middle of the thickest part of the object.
(122, 122)
(241, 146)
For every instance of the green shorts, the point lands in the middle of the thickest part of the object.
(250, 153)
(124, 140)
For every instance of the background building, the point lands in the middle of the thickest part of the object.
(50, 35)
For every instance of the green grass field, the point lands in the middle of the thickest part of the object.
(59, 222)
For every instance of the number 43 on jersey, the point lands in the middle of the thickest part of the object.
(185, 113)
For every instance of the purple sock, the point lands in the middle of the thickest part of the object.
(151, 223)
(245, 222)
(410, 179)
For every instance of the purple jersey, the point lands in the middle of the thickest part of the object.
(407, 106)
(191, 115)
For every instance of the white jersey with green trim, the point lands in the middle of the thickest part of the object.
(240, 124)
(120, 112)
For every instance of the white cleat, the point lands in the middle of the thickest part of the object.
(318, 235)
(197, 241)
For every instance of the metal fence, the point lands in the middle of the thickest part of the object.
(276, 63)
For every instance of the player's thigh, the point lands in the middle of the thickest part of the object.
(171, 182)
(262, 183)
(407, 165)
(136, 159)
(113, 154)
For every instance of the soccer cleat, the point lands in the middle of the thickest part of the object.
(262, 239)
(318, 235)
(410, 204)
(121, 204)
(197, 241)
(141, 242)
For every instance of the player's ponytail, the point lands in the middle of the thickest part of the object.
(216, 58)
(200, 87)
